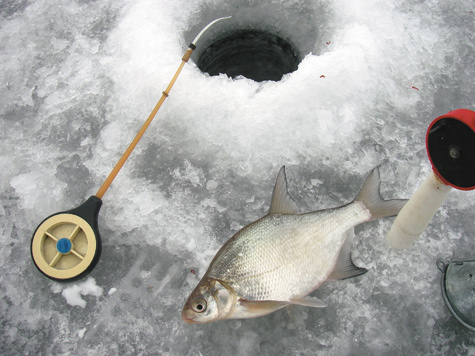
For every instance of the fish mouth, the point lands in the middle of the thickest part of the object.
(187, 320)
(186, 317)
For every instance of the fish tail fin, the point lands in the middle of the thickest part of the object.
(370, 197)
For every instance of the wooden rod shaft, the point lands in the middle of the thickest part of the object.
(102, 190)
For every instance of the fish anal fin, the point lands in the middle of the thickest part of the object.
(354, 271)
(344, 267)
(282, 202)
(307, 301)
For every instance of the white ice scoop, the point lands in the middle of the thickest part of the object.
(450, 143)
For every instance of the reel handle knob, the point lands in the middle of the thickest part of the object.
(450, 143)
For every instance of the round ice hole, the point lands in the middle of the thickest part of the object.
(257, 55)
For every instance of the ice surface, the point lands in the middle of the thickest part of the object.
(73, 293)
(78, 80)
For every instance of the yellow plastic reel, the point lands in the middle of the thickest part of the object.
(64, 246)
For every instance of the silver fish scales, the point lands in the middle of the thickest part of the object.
(289, 245)
(282, 257)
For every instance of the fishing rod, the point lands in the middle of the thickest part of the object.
(66, 246)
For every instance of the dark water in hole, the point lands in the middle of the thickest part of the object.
(256, 55)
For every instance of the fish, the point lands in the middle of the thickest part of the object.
(281, 258)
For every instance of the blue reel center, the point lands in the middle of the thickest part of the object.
(64, 246)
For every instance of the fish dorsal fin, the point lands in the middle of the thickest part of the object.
(344, 267)
(282, 202)
(307, 301)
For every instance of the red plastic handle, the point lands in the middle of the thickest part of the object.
(466, 117)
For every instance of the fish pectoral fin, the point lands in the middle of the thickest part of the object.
(307, 301)
(344, 267)
(252, 308)
(254, 305)
(282, 202)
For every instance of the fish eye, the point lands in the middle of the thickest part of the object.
(199, 305)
